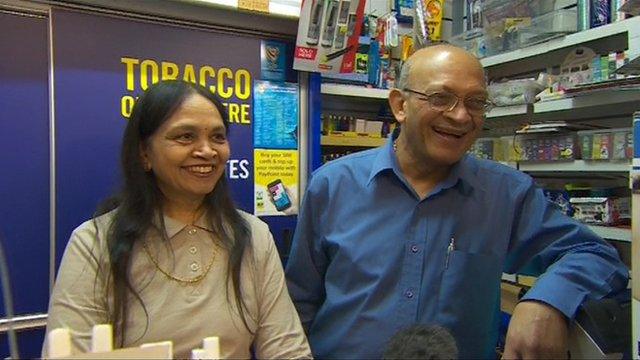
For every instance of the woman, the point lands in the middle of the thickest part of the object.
(171, 258)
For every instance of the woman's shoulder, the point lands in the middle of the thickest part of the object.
(100, 221)
(254, 223)
(261, 238)
(94, 229)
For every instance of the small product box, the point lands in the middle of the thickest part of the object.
(568, 150)
(545, 148)
(373, 128)
(512, 149)
(586, 144)
(483, 148)
(596, 145)
(622, 144)
(602, 146)
(595, 210)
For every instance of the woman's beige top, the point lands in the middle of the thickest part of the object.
(180, 312)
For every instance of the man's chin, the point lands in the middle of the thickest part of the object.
(448, 159)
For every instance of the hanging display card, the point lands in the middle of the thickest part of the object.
(275, 115)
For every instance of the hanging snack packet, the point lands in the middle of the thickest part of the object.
(434, 19)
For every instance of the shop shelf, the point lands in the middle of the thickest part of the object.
(612, 233)
(353, 90)
(361, 141)
(576, 166)
(575, 39)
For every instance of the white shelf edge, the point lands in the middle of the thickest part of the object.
(512, 110)
(353, 90)
(559, 43)
(612, 233)
(600, 98)
(576, 166)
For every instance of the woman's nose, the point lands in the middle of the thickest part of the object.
(204, 149)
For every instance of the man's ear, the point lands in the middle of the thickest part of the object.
(398, 105)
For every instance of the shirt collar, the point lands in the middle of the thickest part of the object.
(464, 172)
(173, 226)
(385, 160)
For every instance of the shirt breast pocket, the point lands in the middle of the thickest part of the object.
(469, 292)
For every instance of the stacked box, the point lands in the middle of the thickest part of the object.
(622, 144)
(593, 210)
(549, 148)
(483, 149)
(601, 210)
(512, 148)
(606, 144)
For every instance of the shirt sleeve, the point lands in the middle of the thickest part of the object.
(307, 262)
(279, 334)
(579, 265)
(79, 300)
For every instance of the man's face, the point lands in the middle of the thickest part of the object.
(439, 137)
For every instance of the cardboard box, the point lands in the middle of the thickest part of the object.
(328, 35)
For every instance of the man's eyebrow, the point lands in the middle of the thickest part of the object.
(473, 94)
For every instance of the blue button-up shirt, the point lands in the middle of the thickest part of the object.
(369, 257)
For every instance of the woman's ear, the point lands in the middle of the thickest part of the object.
(397, 104)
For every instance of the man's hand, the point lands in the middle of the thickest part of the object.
(536, 331)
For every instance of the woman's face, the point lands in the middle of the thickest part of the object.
(188, 153)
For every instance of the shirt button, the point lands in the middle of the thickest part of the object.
(192, 231)
(193, 250)
(408, 293)
(194, 266)
(414, 248)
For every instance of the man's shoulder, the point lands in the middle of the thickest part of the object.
(493, 172)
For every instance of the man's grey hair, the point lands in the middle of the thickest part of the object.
(403, 79)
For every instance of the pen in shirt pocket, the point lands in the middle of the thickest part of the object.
(450, 248)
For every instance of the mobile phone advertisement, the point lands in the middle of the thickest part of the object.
(328, 35)
(276, 182)
(275, 138)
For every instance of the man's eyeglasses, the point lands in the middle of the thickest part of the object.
(446, 101)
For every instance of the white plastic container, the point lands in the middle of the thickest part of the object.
(547, 26)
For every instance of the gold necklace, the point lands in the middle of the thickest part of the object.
(192, 280)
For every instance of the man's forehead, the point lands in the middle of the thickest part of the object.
(467, 83)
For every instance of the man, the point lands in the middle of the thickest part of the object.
(418, 232)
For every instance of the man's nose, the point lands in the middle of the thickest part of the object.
(459, 112)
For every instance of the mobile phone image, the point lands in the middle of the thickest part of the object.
(343, 14)
(279, 195)
(341, 37)
(351, 25)
(330, 23)
(315, 21)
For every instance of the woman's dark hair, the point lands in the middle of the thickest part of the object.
(140, 199)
